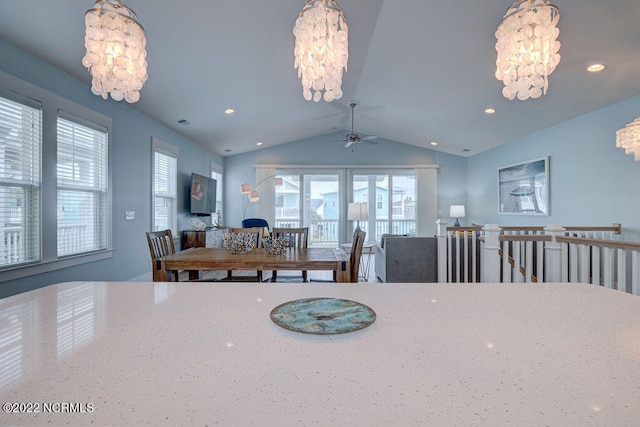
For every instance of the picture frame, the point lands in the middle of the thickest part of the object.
(523, 188)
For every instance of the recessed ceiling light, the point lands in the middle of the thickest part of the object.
(489, 111)
(259, 143)
(465, 150)
(183, 122)
(433, 143)
(229, 111)
(228, 150)
(594, 68)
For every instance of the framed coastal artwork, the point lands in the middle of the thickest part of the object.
(523, 189)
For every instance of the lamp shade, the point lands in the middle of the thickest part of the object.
(245, 188)
(358, 211)
(254, 196)
(456, 211)
(277, 181)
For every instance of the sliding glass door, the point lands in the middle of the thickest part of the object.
(318, 199)
(311, 200)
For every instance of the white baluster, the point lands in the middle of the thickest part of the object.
(553, 253)
(491, 257)
(622, 270)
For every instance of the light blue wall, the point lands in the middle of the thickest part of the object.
(131, 160)
(328, 150)
(591, 181)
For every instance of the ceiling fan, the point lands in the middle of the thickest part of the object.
(353, 137)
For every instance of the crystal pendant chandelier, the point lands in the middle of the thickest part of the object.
(629, 138)
(527, 48)
(321, 50)
(116, 54)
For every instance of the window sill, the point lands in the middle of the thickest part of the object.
(58, 264)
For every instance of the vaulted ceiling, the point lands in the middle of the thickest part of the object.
(421, 71)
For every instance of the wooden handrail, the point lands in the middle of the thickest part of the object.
(617, 244)
(616, 228)
(525, 237)
(466, 228)
(522, 227)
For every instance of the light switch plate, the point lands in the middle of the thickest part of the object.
(129, 215)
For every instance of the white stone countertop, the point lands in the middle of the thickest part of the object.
(97, 353)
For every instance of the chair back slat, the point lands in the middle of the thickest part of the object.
(298, 237)
(160, 245)
(356, 253)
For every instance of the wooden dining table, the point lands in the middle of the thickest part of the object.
(195, 260)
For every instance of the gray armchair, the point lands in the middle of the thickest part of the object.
(403, 259)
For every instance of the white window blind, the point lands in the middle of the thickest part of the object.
(165, 189)
(216, 173)
(82, 172)
(20, 146)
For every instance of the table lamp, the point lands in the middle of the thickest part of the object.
(456, 211)
(358, 212)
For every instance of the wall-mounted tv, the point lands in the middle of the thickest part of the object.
(202, 195)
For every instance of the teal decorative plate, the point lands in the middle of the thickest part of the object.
(323, 316)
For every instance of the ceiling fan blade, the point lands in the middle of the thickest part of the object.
(368, 141)
(369, 137)
(349, 144)
(329, 116)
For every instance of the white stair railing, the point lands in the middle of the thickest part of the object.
(553, 253)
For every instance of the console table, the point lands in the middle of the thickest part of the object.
(209, 238)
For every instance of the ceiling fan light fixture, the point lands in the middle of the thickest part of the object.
(116, 51)
(527, 48)
(321, 49)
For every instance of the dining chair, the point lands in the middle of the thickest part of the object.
(356, 254)
(160, 244)
(258, 231)
(298, 239)
(354, 258)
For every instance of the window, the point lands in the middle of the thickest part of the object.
(20, 146)
(216, 173)
(82, 186)
(165, 187)
(55, 195)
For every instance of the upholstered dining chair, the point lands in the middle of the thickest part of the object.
(160, 244)
(298, 239)
(256, 222)
(258, 231)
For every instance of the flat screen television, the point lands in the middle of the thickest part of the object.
(202, 195)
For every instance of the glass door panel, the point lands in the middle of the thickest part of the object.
(321, 208)
(311, 200)
(391, 201)
(288, 202)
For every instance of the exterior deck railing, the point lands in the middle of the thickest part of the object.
(327, 230)
(70, 240)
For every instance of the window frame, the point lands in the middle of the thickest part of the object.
(31, 190)
(98, 160)
(159, 146)
(51, 104)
